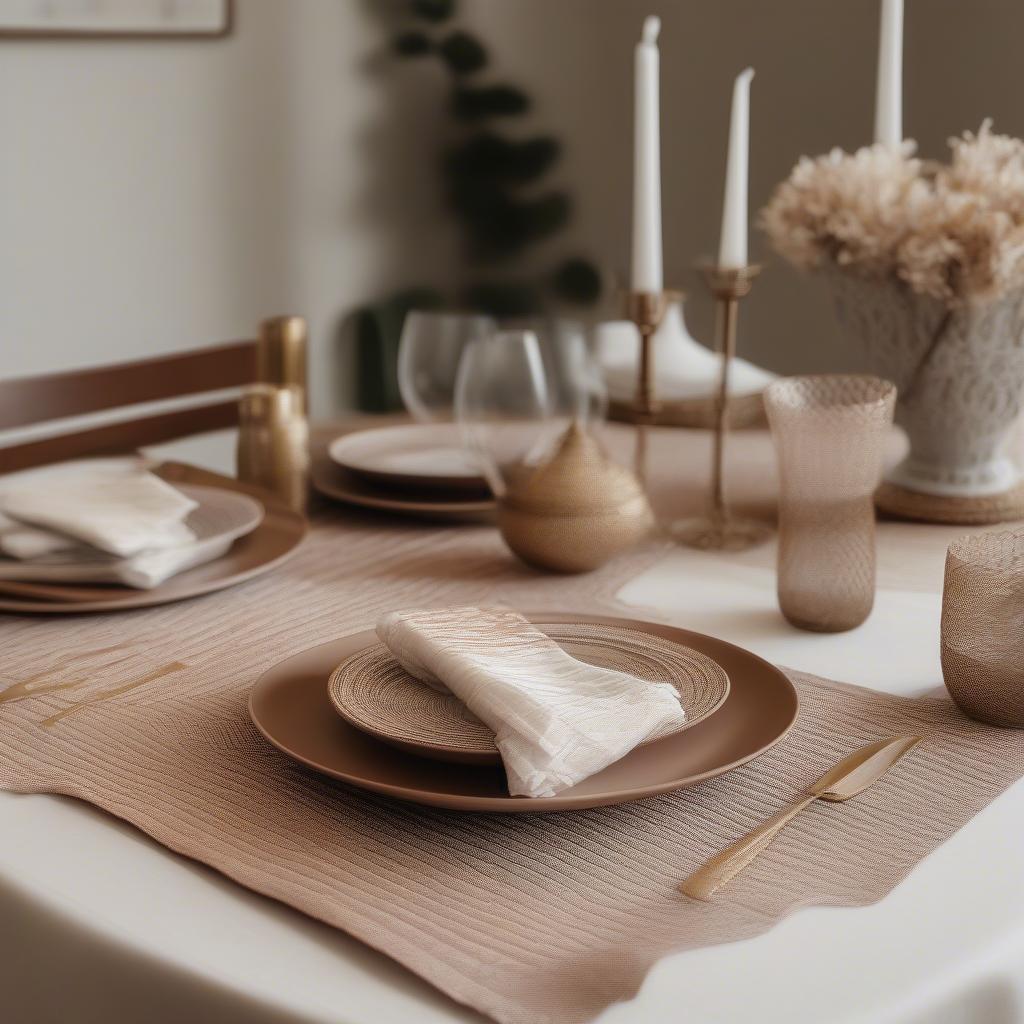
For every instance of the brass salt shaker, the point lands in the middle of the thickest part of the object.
(273, 442)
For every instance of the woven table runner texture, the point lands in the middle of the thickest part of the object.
(526, 918)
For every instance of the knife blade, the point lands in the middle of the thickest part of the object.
(858, 770)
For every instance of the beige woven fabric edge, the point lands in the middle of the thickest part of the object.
(526, 918)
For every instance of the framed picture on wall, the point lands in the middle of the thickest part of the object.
(109, 19)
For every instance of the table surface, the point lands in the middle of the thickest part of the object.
(103, 924)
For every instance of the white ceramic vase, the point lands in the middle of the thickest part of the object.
(684, 368)
(959, 372)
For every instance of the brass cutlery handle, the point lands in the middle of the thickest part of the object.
(733, 859)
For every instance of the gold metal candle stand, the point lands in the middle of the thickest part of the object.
(720, 530)
(646, 310)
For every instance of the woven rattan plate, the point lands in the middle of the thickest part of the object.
(371, 691)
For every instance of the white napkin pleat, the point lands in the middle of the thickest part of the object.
(143, 571)
(556, 720)
(114, 505)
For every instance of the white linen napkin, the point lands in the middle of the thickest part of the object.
(115, 505)
(28, 543)
(556, 720)
(143, 571)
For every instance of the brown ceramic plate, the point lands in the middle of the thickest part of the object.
(290, 706)
(419, 456)
(375, 694)
(340, 484)
(275, 539)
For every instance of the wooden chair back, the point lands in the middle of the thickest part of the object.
(30, 401)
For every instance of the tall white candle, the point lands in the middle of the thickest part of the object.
(647, 273)
(732, 247)
(889, 92)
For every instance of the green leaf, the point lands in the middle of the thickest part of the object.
(463, 53)
(577, 281)
(543, 217)
(491, 158)
(433, 10)
(499, 225)
(473, 104)
(532, 158)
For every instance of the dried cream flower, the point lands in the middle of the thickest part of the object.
(954, 232)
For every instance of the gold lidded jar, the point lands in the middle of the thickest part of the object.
(575, 511)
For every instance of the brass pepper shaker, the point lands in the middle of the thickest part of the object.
(576, 511)
(281, 354)
(273, 442)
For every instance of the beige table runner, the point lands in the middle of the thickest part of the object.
(538, 918)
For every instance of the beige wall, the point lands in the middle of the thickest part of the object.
(158, 195)
(140, 194)
(161, 195)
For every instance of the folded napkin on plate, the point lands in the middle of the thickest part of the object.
(115, 505)
(29, 542)
(143, 571)
(556, 720)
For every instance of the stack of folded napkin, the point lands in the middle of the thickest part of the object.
(94, 513)
(556, 720)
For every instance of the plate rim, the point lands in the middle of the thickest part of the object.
(438, 748)
(536, 805)
(438, 481)
(440, 509)
(182, 473)
(256, 512)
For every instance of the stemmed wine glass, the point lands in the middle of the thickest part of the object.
(429, 351)
(513, 405)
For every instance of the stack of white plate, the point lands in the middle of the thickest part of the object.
(419, 470)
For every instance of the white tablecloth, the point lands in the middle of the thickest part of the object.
(100, 924)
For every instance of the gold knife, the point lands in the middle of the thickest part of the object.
(851, 776)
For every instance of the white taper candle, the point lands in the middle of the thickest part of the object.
(732, 246)
(889, 91)
(647, 256)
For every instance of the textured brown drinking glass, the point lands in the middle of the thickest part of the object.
(983, 626)
(829, 434)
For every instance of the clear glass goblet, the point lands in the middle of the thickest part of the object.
(428, 359)
(504, 406)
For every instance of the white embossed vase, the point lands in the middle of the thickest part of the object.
(959, 371)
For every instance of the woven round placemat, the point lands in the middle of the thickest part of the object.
(376, 695)
(695, 413)
(900, 503)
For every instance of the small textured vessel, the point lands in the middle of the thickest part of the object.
(577, 510)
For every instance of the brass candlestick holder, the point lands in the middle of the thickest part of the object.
(720, 530)
(646, 310)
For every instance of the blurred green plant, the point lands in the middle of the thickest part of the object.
(492, 182)
(493, 185)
